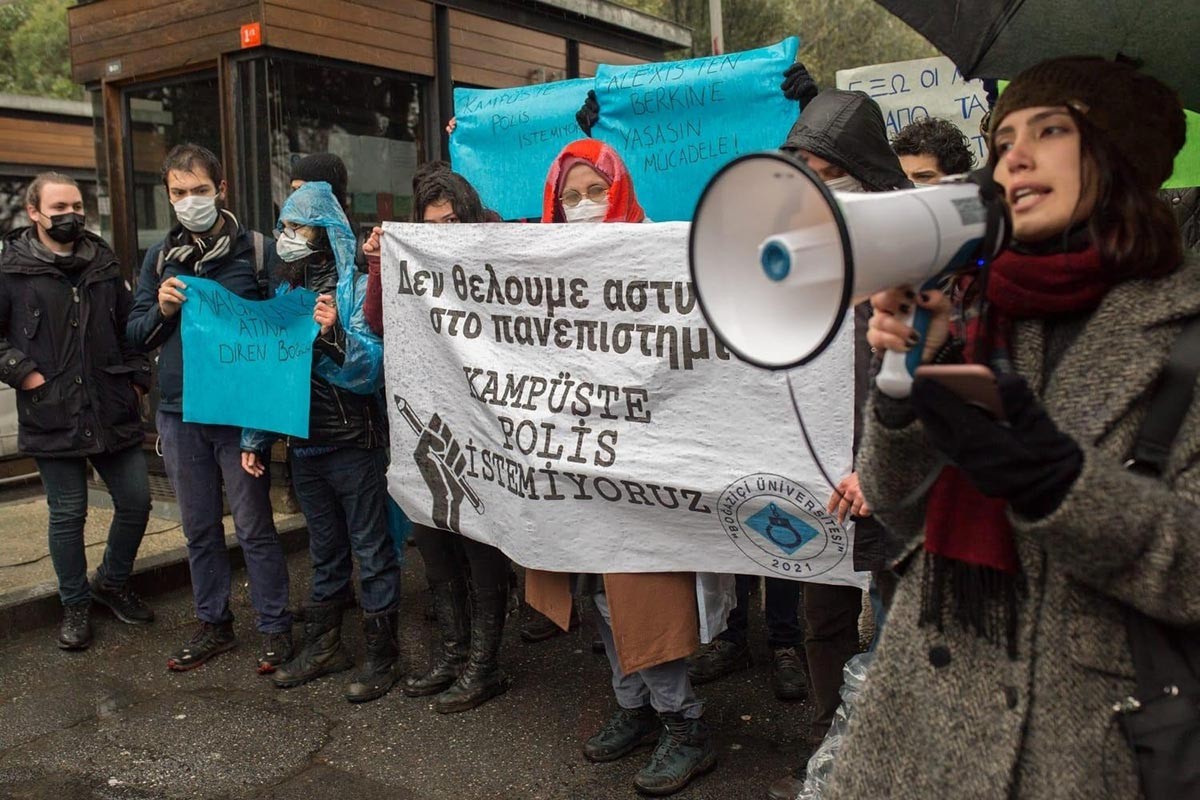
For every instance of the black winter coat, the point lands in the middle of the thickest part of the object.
(68, 323)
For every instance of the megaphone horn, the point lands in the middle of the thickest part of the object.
(777, 259)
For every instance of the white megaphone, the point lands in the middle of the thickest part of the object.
(777, 259)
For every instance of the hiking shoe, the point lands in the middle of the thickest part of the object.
(789, 677)
(626, 730)
(684, 752)
(717, 659)
(76, 630)
(209, 640)
(123, 602)
(789, 786)
(276, 649)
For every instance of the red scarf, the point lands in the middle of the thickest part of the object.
(964, 529)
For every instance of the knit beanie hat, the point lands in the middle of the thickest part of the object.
(323, 167)
(1138, 115)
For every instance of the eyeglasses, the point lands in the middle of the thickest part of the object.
(597, 192)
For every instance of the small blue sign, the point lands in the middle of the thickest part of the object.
(247, 363)
(787, 532)
(506, 139)
(676, 123)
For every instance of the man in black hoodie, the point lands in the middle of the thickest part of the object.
(842, 137)
(63, 306)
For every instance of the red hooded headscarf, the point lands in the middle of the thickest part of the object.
(622, 202)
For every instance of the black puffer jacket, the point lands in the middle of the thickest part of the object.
(65, 318)
(337, 416)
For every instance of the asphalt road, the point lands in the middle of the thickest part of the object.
(114, 723)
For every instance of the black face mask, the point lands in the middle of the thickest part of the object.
(66, 228)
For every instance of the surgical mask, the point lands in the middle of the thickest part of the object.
(846, 183)
(586, 211)
(292, 246)
(197, 213)
(65, 228)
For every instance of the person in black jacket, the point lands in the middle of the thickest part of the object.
(209, 242)
(339, 470)
(63, 306)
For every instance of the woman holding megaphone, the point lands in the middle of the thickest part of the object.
(1008, 644)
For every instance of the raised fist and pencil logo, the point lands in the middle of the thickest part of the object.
(442, 464)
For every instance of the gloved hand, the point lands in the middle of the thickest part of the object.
(588, 114)
(798, 85)
(1025, 458)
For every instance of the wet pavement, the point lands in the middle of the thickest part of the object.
(113, 722)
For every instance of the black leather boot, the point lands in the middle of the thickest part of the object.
(76, 630)
(449, 602)
(482, 679)
(322, 653)
(381, 670)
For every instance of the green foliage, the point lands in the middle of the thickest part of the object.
(34, 49)
(834, 34)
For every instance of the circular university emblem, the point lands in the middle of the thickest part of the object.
(781, 526)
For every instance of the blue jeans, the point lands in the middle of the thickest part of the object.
(783, 616)
(65, 479)
(343, 496)
(197, 458)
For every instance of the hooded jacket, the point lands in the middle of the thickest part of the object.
(622, 200)
(65, 318)
(847, 129)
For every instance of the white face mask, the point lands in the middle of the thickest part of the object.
(292, 246)
(586, 211)
(196, 213)
(846, 183)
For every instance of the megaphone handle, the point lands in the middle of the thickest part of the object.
(895, 375)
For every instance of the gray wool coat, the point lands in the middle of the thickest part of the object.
(948, 715)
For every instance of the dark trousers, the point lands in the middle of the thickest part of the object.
(783, 616)
(65, 480)
(831, 613)
(343, 495)
(449, 556)
(198, 457)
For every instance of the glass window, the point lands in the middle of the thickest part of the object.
(161, 117)
(371, 119)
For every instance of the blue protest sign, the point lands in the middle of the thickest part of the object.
(247, 363)
(507, 138)
(676, 123)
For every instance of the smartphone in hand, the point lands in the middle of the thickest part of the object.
(973, 383)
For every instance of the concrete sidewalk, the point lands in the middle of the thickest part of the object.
(29, 589)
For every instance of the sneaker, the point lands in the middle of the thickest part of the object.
(123, 602)
(626, 730)
(718, 659)
(789, 786)
(789, 677)
(76, 630)
(276, 649)
(685, 752)
(209, 640)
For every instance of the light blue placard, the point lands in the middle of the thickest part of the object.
(676, 123)
(506, 140)
(247, 363)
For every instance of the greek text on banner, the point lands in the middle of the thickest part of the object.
(554, 391)
(247, 363)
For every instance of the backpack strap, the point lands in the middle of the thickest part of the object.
(162, 259)
(1170, 403)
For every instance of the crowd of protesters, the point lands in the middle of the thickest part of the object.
(1005, 586)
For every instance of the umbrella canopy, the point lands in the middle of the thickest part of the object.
(999, 38)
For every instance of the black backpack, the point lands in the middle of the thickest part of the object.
(1161, 721)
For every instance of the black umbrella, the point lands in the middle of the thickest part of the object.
(999, 38)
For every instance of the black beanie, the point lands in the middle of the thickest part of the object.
(323, 167)
(1141, 116)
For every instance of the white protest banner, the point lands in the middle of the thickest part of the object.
(554, 391)
(925, 87)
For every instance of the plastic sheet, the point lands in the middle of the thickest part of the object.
(821, 762)
(362, 370)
